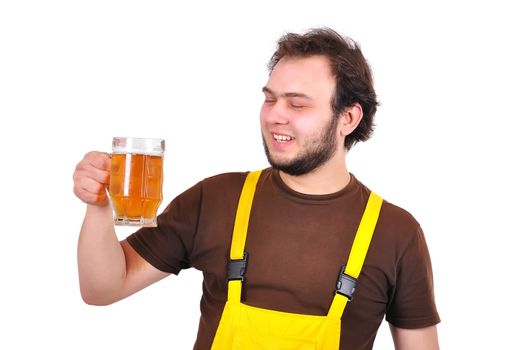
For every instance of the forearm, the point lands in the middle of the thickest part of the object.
(101, 261)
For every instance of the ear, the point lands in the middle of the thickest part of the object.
(350, 119)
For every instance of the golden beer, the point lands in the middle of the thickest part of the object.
(136, 183)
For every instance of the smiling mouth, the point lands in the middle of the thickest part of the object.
(282, 138)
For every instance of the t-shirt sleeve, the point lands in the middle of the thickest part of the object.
(168, 246)
(412, 304)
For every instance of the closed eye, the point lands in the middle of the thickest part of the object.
(295, 106)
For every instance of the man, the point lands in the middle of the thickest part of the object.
(319, 101)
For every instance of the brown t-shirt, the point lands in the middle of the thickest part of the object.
(297, 244)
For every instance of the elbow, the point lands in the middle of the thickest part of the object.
(96, 299)
(95, 302)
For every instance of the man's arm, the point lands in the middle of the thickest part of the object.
(109, 270)
(415, 339)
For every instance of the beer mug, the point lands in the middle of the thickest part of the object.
(136, 180)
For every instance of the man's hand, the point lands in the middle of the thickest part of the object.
(91, 177)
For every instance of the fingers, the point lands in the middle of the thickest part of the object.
(100, 160)
(87, 197)
(85, 169)
(91, 177)
(90, 185)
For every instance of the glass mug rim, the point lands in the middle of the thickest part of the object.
(138, 145)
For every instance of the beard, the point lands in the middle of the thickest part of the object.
(318, 151)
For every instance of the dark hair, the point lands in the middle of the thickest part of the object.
(354, 83)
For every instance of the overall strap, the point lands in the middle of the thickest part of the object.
(238, 259)
(348, 277)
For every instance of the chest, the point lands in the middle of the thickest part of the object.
(295, 254)
(295, 251)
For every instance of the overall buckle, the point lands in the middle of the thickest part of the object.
(237, 268)
(346, 284)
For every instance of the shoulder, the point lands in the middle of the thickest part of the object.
(393, 220)
(395, 216)
(398, 226)
(229, 180)
(226, 184)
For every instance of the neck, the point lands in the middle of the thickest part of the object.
(329, 178)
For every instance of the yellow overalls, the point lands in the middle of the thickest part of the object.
(244, 327)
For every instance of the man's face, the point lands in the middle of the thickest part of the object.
(297, 121)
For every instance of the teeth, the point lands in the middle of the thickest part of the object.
(282, 138)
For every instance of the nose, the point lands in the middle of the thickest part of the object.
(274, 113)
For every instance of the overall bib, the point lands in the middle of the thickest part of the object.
(244, 327)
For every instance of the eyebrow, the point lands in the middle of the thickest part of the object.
(287, 94)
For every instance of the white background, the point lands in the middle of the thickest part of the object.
(449, 146)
